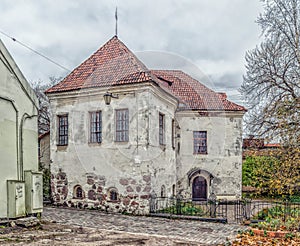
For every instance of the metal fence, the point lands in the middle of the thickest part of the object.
(236, 211)
(209, 210)
(259, 210)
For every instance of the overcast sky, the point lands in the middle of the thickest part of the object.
(202, 37)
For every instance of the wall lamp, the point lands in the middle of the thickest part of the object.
(108, 96)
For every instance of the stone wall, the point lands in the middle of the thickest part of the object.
(95, 194)
(141, 166)
(135, 169)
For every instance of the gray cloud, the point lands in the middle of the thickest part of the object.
(212, 35)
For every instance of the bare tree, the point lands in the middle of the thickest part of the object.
(44, 112)
(271, 84)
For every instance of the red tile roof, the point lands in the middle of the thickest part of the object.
(272, 145)
(254, 143)
(114, 64)
(192, 94)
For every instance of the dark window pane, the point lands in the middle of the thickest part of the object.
(96, 127)
(62, 130)
(122, 125)
(161, 129)
(200, 142)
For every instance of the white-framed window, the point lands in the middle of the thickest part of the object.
(122, 125)
(200, 142)
(96, 127)
(63, 129)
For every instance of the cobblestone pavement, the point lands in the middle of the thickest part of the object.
(204, 233)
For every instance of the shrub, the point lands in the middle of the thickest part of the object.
(279, 217)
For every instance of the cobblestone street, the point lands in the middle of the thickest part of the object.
(202, 233)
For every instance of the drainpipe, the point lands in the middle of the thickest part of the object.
(24, 117)
(12, 102)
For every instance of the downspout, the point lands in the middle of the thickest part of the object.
(24, 117)
(17, 132)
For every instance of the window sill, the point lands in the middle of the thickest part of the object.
(61, 147)
(121, 142)
(91, 144)
(201, 153)
(163, 147)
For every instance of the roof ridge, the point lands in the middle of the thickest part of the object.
(108, 65)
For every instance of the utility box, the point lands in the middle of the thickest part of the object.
(34, 192)
(15, 199)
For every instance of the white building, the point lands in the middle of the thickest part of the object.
(20, 183)
(164, 134)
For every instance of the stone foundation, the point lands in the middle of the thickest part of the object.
(95, 194)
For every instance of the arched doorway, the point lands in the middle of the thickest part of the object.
(199, 188)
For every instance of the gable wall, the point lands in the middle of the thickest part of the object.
(223, 160)
(136, 169)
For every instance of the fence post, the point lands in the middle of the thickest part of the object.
(213, 205)
(153, 202)
(247, 209)
(178, 204)
(286, 210)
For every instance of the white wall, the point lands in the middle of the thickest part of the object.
(18, 133)
(224, 157)
(135, 168)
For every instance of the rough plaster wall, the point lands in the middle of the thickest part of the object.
(136, 168)
(8, 151)
(224, 158)
(30, 144)
(10, 88)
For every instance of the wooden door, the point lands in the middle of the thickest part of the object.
(199, 189)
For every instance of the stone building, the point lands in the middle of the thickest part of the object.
(20, 182)
(163, 133)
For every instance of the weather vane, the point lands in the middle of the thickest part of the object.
(116, 16)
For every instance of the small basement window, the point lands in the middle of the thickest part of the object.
(78, 192)
(113, 194)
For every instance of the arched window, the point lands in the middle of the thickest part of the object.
(113, 194)
(78, 192)
(163, 191)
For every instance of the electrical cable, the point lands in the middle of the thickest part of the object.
(36, 52)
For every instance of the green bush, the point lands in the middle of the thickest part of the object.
(184, 208)
(257, 169)
(279, 217)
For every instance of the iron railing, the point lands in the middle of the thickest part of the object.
(236, 211)
(259, 210)
(211, 210)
